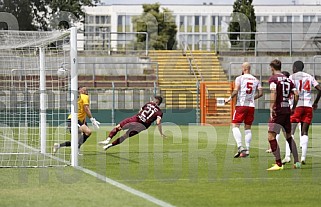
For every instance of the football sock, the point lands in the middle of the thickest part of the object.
(80, 139)
(65, 144)
(293, 149)
(118, 141)
(237, 136)
(299, 126)
(113, 132)
(304, 144)
(277, 137)
(287, 149)
(276, 151)
(248, 138)
(85, 138)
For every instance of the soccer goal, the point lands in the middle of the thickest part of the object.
(38, 90)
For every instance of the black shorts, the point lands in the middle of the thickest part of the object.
(79, 122)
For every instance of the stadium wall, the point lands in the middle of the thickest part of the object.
(176, 116)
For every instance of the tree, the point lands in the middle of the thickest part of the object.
(244, 7)
(160, 26)
(36, 14)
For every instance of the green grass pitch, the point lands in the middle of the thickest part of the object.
(193, 166)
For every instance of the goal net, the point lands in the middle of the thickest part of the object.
(35, 98)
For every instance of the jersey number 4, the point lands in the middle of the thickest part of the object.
(306, 85)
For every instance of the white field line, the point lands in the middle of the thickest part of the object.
(125, 187)
(102, 178)
(37, 151)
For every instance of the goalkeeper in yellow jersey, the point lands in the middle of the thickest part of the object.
(83, 111)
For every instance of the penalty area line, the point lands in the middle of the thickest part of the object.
(125, 187)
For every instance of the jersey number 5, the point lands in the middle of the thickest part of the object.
(249, 87)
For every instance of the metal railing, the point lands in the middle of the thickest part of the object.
(114, 67)
(264, 42)
(191, 60)
(100, 40)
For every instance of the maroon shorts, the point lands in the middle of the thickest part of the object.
(302, 114)
(243, 114)
(133, 125)
(278, 122)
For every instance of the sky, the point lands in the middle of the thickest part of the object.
(201, 1)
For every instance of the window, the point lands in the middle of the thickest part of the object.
(197, 23)
(265, 19)
(97, 19)
(189, 24)
(204, 24)
(274, 19)
(102, 20)
(182, 23)
(108, 19)
(90, 19)
(296, 18)
(289, 18)
(120, 23)
(197, 42)
(282, 19)
(213, 23)
(127, 23)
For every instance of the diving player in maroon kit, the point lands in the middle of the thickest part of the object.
(281, 89)
(149, 113)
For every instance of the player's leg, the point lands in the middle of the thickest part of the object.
(112, 133)
(238, 139)
(304, 141)
(287, 128)
(121, 126)
(306, 121)
(133, 129)
(84, 134)
(248, 138)
(300, 133)
(273, 130)
(248, 120)
(237, 119)
(287, 157)
(57, 146)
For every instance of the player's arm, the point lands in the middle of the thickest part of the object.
(316, 101)
(94, 122)
(159, 125)
(87, 110)
(272, 98)
(295, 98)
(235, 91)
(259, 93)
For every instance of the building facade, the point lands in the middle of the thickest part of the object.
(111, 25)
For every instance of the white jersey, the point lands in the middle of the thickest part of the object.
(248, 85)
(304, 83)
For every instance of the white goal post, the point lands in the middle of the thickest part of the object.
(38, 90)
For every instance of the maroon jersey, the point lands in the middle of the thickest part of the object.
(149, 113)
(284, 88)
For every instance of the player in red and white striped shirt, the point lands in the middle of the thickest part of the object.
(303, 113)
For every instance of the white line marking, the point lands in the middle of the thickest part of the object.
(102, 178)
(125, 187)
(36, 151)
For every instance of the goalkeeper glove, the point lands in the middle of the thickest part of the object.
(94, 122)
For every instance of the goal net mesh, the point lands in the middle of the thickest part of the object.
(20, 62)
